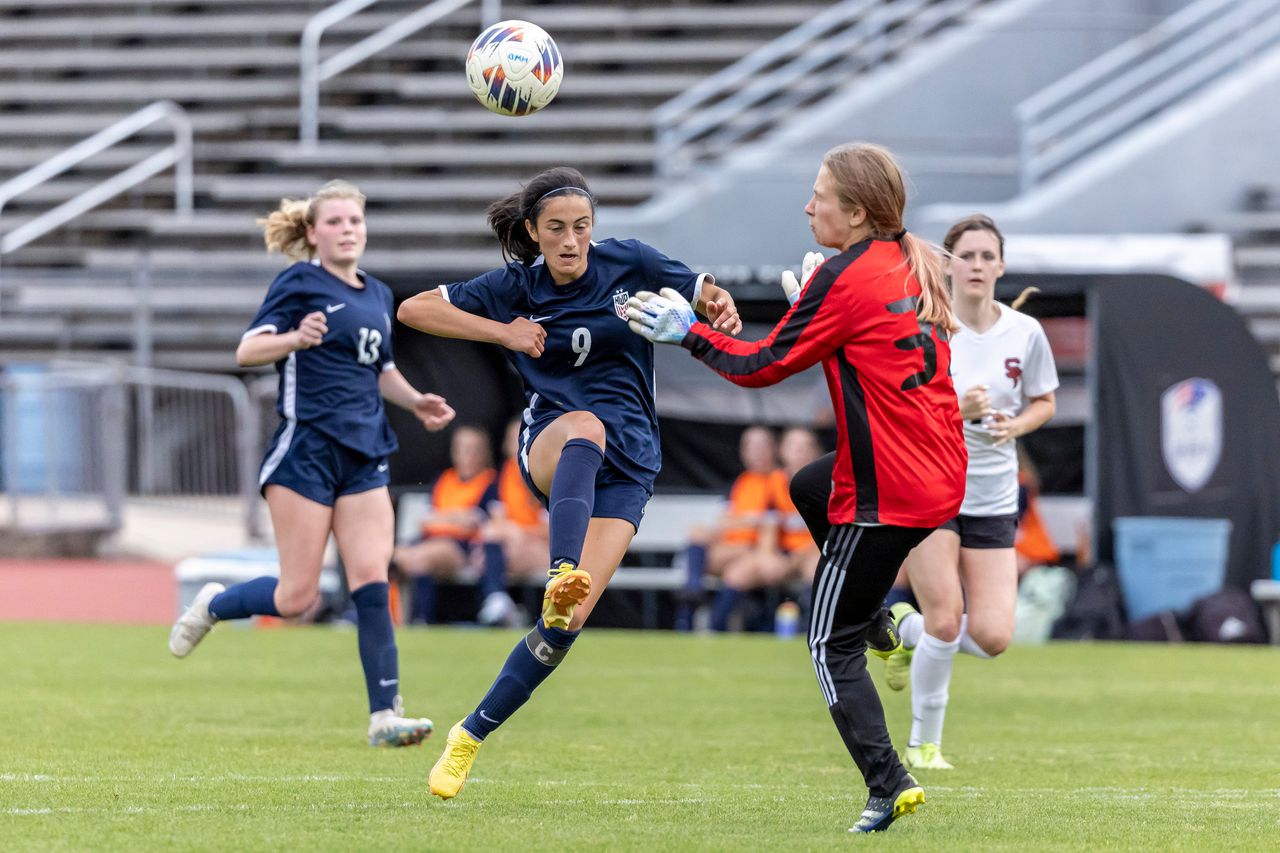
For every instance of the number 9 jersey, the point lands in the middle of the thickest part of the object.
(900, 453)
(333, 387)
(592, 361)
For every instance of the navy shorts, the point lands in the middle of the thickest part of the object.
(617, 495)
(984, 531)
(305, 460)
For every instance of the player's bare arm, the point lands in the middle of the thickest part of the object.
(267, 348)
(431, 313)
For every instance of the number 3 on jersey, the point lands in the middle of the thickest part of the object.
(367, 346)
(923, 340)
(581, 344)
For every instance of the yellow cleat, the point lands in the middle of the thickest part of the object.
(569, 586)
(450, 772)
(897, 665)
(926, 756)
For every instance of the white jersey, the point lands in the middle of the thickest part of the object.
(1013, 359)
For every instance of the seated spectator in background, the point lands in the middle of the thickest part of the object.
(515, 538)
(799, 446)
(459, 502)
(1032, 543)
(732, 548)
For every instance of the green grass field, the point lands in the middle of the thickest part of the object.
(640, 742)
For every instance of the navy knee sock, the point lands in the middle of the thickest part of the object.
(495, 570)
(695, 566)
(251, 598)
(528, 665)
(722, 607)
(572, 498)
(377, 641)
(422, 607)
(898, 593)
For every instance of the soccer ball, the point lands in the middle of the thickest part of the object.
(514, 68)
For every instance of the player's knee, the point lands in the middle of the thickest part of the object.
(588, 426)
(944, 627)
(992, 642)
(294, 602)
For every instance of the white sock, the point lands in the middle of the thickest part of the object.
(910, 630)
(930, 677)
(967, 644)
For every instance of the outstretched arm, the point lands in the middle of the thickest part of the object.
(431, 313)
(817, 325)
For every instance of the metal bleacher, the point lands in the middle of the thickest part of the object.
(403, 125)
(1255, 232)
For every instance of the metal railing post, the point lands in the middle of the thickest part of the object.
(313, 72)
(309, 66)
(179, 155)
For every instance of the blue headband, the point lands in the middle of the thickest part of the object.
(580, 190)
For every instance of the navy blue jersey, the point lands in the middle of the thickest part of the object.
(591, 362)
(333, 387)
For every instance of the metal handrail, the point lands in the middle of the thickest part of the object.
(178, 155)
(864, 46)
(1149, 73)
(725, 107)
(312, 72)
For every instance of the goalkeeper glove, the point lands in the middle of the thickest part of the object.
(660, 318)
(790, 286)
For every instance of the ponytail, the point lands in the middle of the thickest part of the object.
(934, 306)
(507, 216)
(284, 230)
(1023, 297)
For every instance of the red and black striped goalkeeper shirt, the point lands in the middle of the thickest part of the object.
(900, 454)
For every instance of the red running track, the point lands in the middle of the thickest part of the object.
(135, 593)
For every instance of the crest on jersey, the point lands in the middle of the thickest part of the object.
(1191, 431)
(620, 297)
(1013, 369)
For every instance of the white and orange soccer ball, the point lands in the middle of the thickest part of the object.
(514, 68)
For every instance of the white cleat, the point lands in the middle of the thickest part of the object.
(499, 610)
(194, 622)
(392, 728)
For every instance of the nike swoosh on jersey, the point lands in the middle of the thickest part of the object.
(540, 319)
(382, 467)
(338, 307)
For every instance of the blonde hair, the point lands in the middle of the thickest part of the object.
(284, 230)
(867, 176)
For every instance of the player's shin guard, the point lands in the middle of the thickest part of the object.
(251, 598)
(572, 498)
(377, 641)
(530, 662)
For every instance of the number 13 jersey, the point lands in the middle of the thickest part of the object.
(900, 453)
(333, 387)
(592, 361)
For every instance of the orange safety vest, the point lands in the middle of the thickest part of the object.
(751, 494)
(452, 493)
(522, 507)
(793, 533)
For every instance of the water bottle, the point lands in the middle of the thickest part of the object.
(786, 620)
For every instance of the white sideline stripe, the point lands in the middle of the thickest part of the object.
(1190, 795)
(291, 416)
